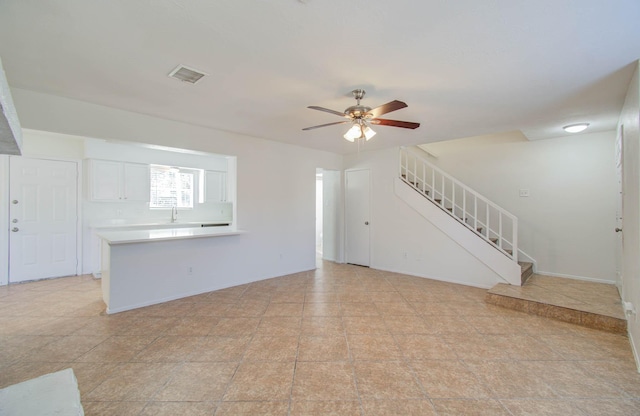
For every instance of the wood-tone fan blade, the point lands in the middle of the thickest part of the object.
(395, 123)
(387, 108)
(326, 110)
(325, 125)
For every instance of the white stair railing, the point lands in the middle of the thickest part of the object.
(488, 220)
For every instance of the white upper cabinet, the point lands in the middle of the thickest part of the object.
(215, 186)
(119, 181)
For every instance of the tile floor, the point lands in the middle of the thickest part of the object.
(593, 305)
(598, 298)
(340, 340)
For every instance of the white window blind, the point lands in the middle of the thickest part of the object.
(171, 187)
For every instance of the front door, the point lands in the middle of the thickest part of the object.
(357, 217)
(43, 218)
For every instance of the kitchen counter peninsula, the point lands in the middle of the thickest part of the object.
(142, 267)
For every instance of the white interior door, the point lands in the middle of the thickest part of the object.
(43, 218)
(357, 217)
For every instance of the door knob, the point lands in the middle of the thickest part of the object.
(618, 229)
(15, 201)
(15, 229)
(366, 223)
(15, 220)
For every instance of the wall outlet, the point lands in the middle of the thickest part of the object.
(190, 271)
(404, 255)
(524, 193)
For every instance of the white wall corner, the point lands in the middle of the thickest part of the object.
(505, 268)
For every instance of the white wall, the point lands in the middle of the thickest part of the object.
(567, 223)
(397, 229)
(275, 181)
(630, 124)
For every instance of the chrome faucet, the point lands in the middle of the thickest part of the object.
(174, 213)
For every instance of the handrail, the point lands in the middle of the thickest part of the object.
(421, 175)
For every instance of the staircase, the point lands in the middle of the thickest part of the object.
(484, 218)
(439, 197)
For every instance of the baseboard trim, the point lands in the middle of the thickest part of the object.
(570, 276)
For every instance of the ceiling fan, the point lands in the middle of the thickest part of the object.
(362, 117)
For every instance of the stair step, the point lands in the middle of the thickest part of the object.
(526, 271)
(494, 240)
(552, 302)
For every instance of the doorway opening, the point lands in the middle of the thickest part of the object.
(319, 215)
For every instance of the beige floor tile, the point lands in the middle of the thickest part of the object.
(214, 309)
(476, 407)
(365, 325)
(322, 325)
(91, 375)
(214, 348)
(511, 379)
(344, 408)
(118, 348)
(272, 348)
(413, 407)
(67, 348)
(350, 297)
(620, 374)
(179, 408)
(359, 309)
(424, 347)
(449, 379)
(151, 325)
(196, 382)
(446, 324)
(609, 407)
(321, 309)
(411, 343)
(284, 309)
(250, 408)
(193, 326)
(569, 379)
(279, 325)
(324, 381)
(474, 346)
(395, 308)
(408, 325)
(540, 407)
(247, 308)
(373, 348)
(96, 408)
(261, 381)
(323, 348)
(386, 381)
(169, 349)
(235, 326)
(133, 382)
(522, 347)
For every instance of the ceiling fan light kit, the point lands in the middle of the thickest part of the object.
(361, 118)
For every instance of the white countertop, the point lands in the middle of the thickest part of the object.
(152, 225)
(163, 234)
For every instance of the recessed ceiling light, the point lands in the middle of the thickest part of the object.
(186, 74)
(576, 128)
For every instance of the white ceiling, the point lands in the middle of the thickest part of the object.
(464, 67)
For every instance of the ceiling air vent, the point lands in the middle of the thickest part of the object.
(186, 74)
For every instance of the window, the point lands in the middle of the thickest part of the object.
(171, 187)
